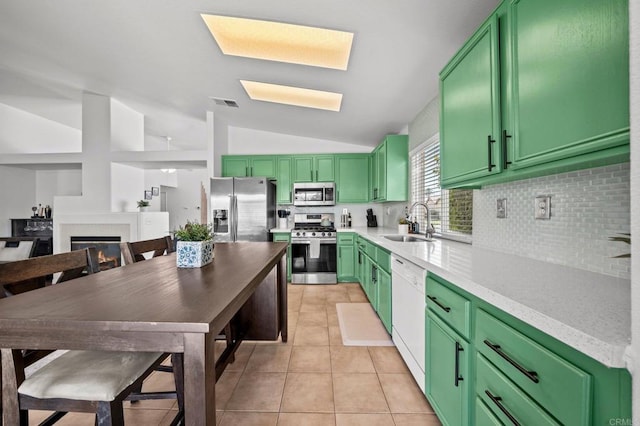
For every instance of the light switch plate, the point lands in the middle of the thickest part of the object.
(501, 208)
(543, 207)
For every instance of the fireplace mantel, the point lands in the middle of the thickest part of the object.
(128, 226)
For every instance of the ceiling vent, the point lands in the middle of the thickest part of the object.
(225, 102)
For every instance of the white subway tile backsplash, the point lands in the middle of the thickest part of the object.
(587, 207)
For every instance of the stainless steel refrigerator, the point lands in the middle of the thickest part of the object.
(242, 209)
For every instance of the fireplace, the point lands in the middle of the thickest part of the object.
(108, 249)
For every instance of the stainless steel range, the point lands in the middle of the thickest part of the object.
(313, 249)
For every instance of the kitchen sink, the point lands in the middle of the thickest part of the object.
(408, 238)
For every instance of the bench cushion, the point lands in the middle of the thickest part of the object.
(88, 375)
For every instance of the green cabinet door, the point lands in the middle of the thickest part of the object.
(373, 176)
(324, 168)
(381, 172)
(352, 178)
(389, 175)
(303, 168)
(470, 109)
(570, 80)
(263, 166)
(249, 165)
(384, 297)
(235, 166)
(286, 237)
(346, 257)
(314, 168)
(283, 180)
(446, 372)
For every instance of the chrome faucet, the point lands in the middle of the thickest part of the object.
(430, 229)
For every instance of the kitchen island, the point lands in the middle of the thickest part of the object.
(154, 306)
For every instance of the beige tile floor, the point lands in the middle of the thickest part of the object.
(310, 380)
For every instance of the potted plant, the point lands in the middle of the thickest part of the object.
(142, 205)
(194, 247)
(403, 226)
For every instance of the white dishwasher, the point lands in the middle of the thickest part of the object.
(407, 298)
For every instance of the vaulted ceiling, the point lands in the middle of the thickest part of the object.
(158, 57)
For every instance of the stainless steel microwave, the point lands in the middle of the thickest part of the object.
(314, 194)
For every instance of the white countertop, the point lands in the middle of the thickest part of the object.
(588, 311)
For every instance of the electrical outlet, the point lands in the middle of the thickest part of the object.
(501, 208)
(543, 207)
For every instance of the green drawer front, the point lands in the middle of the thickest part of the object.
(507, 398)
(484, 416)
(282, 237)
(383, 259)
(346, 238)
(370, 249)
(562, 389)
(449, 305)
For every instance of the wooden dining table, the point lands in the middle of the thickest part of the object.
(155, 306)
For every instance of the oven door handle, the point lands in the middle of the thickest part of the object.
(322, 241)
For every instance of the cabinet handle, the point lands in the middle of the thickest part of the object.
(435, 300)
(359, 258)
(505, 157)
(316, 175)
(251, 170)
(458, 379)
(489, 142)
(374, 274)
(246, 171)
(311, 175)
(340, 252)
(531, 375)
(496, 400)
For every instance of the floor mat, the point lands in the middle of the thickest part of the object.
(360, 325)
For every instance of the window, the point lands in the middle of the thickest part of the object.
(450, 211)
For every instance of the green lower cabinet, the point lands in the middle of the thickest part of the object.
(384, 298)
(447, 371)
(285, 237)
(484, 416)
(518, 374)
(507, 401)
(346, 257)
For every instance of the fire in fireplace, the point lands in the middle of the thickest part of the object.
(108, 249)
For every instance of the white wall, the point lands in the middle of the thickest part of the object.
(250, 141)
(220, 130)
(183, 202)
(50, 183)
(17, 192)
(127, 187)
(24, 132)
(634, 365)
(127, 128)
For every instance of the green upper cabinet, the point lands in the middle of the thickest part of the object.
(249, 165)
(470, 109)
(313, 168)
(542, 87)
(390, 169)
(570, 81)
(284, 182)
(352, 178)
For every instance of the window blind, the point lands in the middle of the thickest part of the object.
(451, 211)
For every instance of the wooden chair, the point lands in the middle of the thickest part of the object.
(84, 381)
(134, 251)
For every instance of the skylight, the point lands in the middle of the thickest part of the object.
(275, 41)
(292, 95)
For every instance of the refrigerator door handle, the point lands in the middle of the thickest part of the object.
(235, 218)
